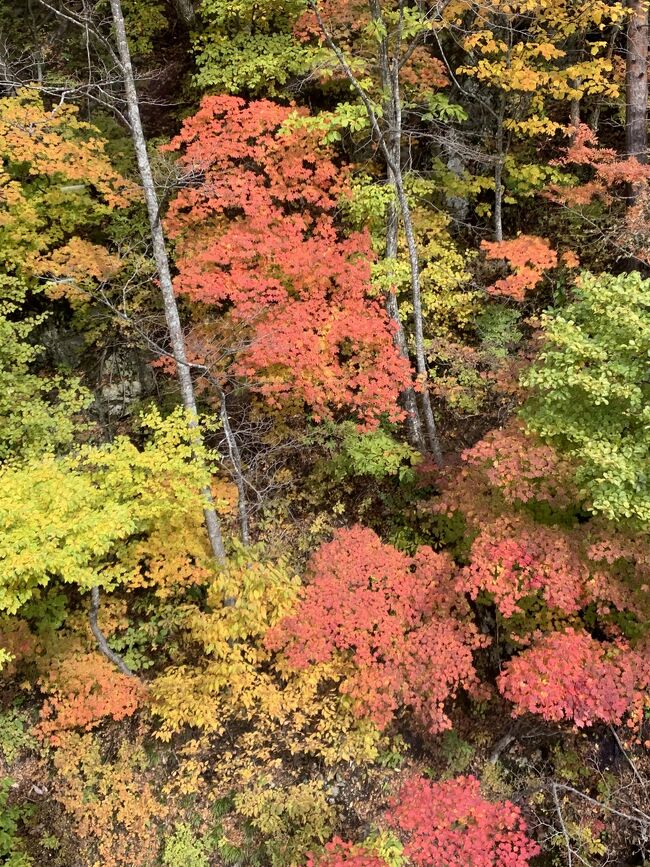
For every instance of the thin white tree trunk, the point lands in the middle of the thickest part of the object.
(416, 294)
(409, 400)
(174, 327)
(498, 174)
(414, 428)
(395, 172)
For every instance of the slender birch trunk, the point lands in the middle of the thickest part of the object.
(174, 327)
(498, 174)
(413, 421)
(595, 116)
(395, 174)
(414, 264)
(415, 431)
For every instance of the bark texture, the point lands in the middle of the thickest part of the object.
(636, 122)
(102, 643)
(185, 11)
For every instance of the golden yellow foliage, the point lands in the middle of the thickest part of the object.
(73, 519)
(111, 807)
(239, 679)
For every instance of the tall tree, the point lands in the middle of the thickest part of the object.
(393, 55)
(247, 235)
(162, 266)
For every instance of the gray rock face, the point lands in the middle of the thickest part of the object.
(123, 381)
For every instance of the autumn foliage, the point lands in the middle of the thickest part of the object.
(608, 169)
(396, 618)
(111, 806)
(450, 824)
(445, 824)
(595, 682)
(419, 633)
(512, 559)
(612, 180)
(256, 235)
(83, 691)
(507, 469)
(530, 258)
(339, 853)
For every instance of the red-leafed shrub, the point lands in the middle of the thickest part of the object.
(337, 853)
(256, 235)
(512, 559)
(609, 169)
(610, 177)
(506, 468)
(450, 824)
(83, 690)
(571, 676)
(520, 503)
(396, 618)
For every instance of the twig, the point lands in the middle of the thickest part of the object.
(565, 833)
(627, 758)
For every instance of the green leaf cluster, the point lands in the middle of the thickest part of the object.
(185, 849)
(246, 46)
(36, 412)
(11, 817)
(376, 454)
(590, 391)
(15, 738)
(292, 821)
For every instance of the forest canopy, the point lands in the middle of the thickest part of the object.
(324, 433)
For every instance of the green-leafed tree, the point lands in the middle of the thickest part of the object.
(591, 391)
(247, 46)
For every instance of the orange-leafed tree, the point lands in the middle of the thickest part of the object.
(257, 237)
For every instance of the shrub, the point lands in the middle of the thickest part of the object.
(291, 820)
(571, 676)
(396, 618)
(184, 849)
(450, 824)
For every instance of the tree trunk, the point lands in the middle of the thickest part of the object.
(418, 325)
(595, 116)
(574, 106)
(636, 132)
(409, 400)
(174, 327)
(498, 174)
(395, 175)
(237, 469)
(102, 643)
